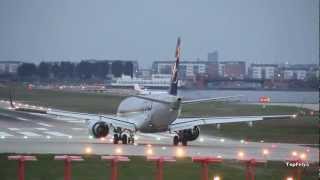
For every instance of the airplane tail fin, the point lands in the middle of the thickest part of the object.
(175, 69)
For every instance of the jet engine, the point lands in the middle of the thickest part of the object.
(98, 129)
(192, 134)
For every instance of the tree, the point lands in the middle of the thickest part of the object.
(128, 69)
(27, 70)
(117, 68)
(85, 70)
(66, 69)
(313, 82)
(43, 70)
(101, 69)
(55, 69)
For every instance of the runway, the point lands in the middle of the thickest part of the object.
(30, 133)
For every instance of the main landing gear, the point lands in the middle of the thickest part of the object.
(120, 136)
(180, 138)
(186, 135)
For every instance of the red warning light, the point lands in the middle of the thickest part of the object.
(264, 99)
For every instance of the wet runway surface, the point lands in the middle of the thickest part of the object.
(30, 133)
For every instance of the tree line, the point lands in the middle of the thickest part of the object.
(84, 70)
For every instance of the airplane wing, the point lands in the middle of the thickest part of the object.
(109, 119)
(208, 99)
(188, 123)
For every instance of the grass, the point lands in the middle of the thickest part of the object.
(139, 169)
(304, 130)
(72, 101)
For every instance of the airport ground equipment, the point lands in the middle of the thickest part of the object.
(21, 164)
(114, 164)
(205, 161)
(67, 164)
(159, 164)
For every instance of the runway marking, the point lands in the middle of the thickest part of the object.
(154, 136)
(38, 114)
(14, 129)
(41, 129)
(77, 129)
(76, 121)
(23, 119)
(27, 133)
(65, 118)
(167, 134)
(45, 124)
(5, 134)
(54, 133)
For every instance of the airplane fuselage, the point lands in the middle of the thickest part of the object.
(149, 116)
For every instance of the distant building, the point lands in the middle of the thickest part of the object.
(213, 70)
(314, 72)
(213, 56)
(9, 67)
(187, 69)
(232, 69)
(155, 81)
(144, 73)
(299, 71)
(263, 71)
(294, 74)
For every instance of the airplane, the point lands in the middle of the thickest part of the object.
(145, 91)
(155, 113)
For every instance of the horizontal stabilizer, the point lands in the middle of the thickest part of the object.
(153, 99)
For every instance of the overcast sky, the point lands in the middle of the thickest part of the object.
(261, 31)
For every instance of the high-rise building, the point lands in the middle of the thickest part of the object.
(213, 56)
(213, 70)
